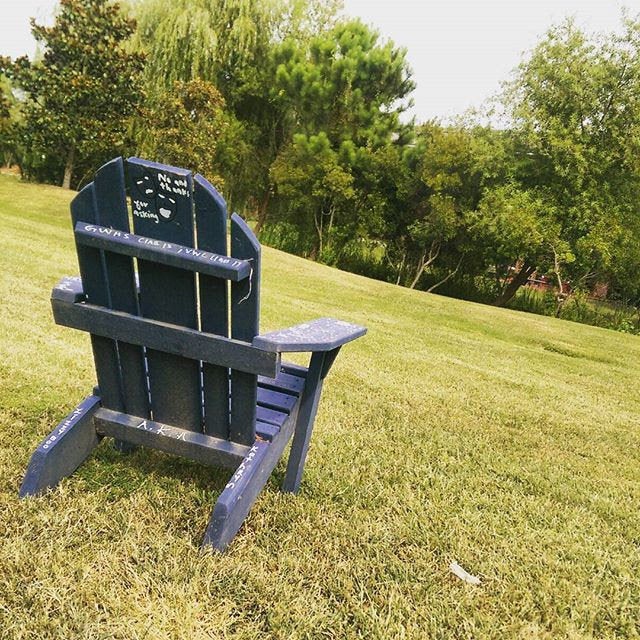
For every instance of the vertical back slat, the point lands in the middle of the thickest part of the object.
(163, 209)
(245, 320)
(112, 212)
(211, 226)
(94, 282)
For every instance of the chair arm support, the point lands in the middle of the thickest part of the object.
(69, 289)
(323, 334)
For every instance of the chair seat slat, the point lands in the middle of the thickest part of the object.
(276, 400)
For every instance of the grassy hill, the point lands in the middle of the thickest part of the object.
(507, 442)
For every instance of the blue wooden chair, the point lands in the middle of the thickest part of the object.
(174, 324)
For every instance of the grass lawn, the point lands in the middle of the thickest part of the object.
(507, 442)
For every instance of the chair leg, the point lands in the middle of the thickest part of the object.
(64, 449)
(238, 496)
(305, 419)
(243, 488)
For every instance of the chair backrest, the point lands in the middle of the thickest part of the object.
(167, 259)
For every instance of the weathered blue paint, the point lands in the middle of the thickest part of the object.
(243, 488)
(285, 382)
(111, 207)
(323, 334)
(69, 289)
(219, 394)
(304, 422)
(271, 416)
(266, 431)
(167, 253)
(162, 208)
(277, 400)
(245, 322)
(211, 228)
(96, 288)
(63, 450)
(180, 442)
(165, 337)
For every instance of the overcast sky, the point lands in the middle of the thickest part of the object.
(460, 50)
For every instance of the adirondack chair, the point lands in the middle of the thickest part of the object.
(180, 364)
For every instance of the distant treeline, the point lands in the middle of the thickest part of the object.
(294, 113)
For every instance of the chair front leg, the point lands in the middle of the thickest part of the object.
(319, 366)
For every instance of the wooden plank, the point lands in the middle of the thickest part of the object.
(323, 334)
(161, 336)
(304, 421)
(266, 431)
(69, 289)
(245, 484)
(185, 443)
(63, 450)
(271, 416)
(162, 208)
(294, 369)
(245, 321)
(94, 281)
(167, 253)
(283, 382)
(276, 400)
(111, 202)
(211, 231)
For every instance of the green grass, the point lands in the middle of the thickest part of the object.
(505, 441)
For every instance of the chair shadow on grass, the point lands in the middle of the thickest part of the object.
(124, 475)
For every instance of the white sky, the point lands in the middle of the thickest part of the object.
(460, 50)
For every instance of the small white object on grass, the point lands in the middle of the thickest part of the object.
(459, 572)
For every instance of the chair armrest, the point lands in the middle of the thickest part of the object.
(69, 289)
(323, 334)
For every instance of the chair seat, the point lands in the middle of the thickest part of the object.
(277, 399)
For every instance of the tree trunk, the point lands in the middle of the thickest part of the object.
(425, 262)
(317, 250)
(561, 300)
(262, 212)
(450, 275)
(516, 282)
(68, 169)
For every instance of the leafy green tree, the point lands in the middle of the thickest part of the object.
(6, 142)
(514, 232)
(317, 188)
(343, 92)
(80, 95)
(445, 175)
(230, 44)
(185, 127)
(575, 103)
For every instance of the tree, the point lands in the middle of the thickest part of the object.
(229, 43)
(575, 104)
(343, 93)
(186, 126)
(6, 146)
(317, 188)
(80, 95)
(445, 174)
(514, 232)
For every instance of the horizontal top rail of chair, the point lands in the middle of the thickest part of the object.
(169, 253)
(162, 336)
(323, 334)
